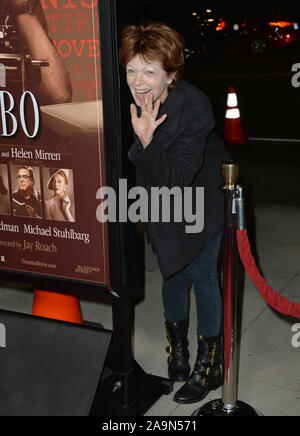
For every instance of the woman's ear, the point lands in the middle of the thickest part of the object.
(171, 77)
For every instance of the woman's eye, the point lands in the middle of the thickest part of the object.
(129, 71)
(150, 72)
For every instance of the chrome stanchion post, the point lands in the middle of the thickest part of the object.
(234, 219)
(230, 174)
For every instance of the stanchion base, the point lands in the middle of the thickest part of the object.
(216, 408)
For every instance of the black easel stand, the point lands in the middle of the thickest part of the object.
(125, 389)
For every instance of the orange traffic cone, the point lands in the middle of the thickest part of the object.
(233, 132)
(55, 305)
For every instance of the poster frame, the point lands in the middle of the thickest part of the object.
(110, 79)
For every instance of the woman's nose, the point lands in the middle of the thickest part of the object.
(139, 79)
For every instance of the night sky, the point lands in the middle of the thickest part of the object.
(170, 11)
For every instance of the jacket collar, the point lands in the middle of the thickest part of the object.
(172, 106)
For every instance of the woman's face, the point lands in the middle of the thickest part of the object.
(145, 77)
(59, 185)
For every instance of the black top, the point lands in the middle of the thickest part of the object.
(31, 206)
(184, 152)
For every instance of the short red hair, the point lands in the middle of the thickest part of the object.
(154, 41)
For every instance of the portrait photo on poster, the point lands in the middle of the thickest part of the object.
(26, 191)
(59, 194)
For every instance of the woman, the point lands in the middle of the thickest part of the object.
(4, 199)
(59, 207)
(175, 147)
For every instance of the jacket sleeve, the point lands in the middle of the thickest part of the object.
(178, 163)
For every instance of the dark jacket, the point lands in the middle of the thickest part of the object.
(31, 206)
(184, 152)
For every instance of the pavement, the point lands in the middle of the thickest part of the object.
(269, 377)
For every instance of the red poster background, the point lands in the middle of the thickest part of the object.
(74, 28)
(71, 140)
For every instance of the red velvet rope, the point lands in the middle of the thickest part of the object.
(273, 298)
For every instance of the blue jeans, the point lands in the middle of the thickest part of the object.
(203, 273)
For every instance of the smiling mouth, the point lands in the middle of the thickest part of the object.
(146, 91)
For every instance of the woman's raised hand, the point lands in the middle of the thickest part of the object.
(145, 125)
(66, 203)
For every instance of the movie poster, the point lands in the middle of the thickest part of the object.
(51, 147)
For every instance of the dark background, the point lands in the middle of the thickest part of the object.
(269, 104)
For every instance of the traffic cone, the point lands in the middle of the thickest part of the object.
(233, 132)
(54, 305)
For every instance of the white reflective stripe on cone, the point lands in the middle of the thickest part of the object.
(232, 100)
(232, 113)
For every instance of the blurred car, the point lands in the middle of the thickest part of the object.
(213, 33)
(210, 33)
(270, 30)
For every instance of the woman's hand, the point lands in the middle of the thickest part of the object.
(66, 206)
(145, 125)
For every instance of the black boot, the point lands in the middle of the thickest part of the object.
(207, 374)
(178, 361)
